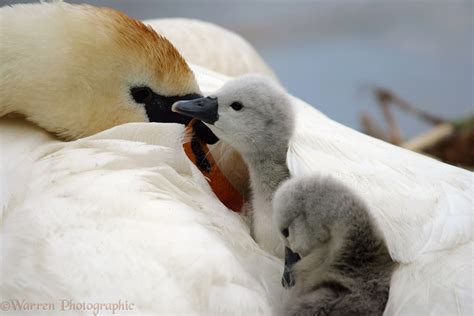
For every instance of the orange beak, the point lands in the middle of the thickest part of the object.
(198, 152)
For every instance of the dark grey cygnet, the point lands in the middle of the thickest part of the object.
(345, 266)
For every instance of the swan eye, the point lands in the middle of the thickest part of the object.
(236, 106)
(141, 94)
(285, 232)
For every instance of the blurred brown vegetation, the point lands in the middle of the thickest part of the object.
(449, 141)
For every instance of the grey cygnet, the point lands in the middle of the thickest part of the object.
(254, 115)
(345, 266)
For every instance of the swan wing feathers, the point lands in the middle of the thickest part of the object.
(438, 283)
(193, 38)
(124, 214)
(423, 207)
(17, 138)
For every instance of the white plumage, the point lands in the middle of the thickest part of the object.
(211, 46)
(124, 214)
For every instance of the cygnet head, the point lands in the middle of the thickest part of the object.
(313, 211)
(77, 69)
(251, 113)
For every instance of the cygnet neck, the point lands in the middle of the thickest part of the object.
(266, 174)
(267, 171)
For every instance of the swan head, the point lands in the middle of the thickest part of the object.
(77, 69)
(250, 113)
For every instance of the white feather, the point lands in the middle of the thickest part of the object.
(124, 214)
(211, 46)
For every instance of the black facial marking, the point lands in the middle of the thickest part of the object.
(141, 95)
(158, 109)
(285, 232)
(236, 106)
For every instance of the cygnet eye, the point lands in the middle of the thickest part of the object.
(141, 94)
(285, 232)
(236, 106)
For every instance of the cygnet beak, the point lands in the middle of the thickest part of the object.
(203, 109)
(291, 258)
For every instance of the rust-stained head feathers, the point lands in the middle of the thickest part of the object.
(71, 68)
(140, 39)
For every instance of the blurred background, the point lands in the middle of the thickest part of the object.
(374, 65)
